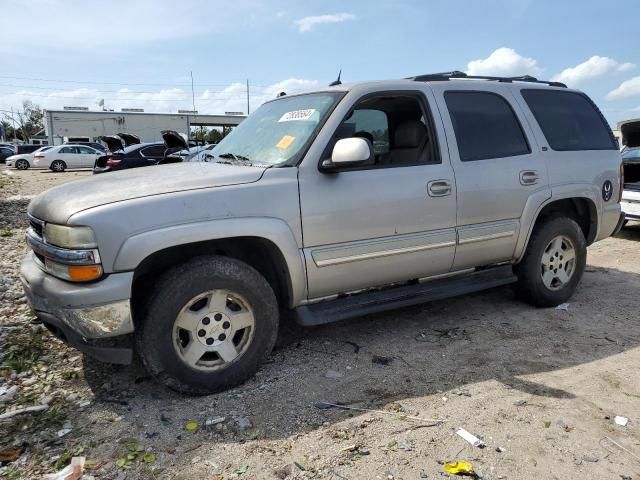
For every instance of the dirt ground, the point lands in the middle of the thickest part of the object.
(541, 387)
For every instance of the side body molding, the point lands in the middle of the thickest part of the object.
(138, 247)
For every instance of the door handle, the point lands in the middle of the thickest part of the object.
(529, 177)
(439, 188)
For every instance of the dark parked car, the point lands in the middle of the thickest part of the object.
(5, 152)
(96, 145)
(27, 148)
(141, 154)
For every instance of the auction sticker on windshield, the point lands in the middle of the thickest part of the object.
(297, 115)
(285, 142)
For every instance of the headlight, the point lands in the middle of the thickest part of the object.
(69, 236)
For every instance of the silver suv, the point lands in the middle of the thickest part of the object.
(328, 205)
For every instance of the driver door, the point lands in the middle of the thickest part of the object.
(390, 222)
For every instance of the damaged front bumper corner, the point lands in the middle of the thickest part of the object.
(94, 318)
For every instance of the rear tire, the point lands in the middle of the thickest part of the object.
(208, 325)
(553, 263)
(58, 166)
(22, 164)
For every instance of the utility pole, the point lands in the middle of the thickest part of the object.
(248, 108)
(193, 95)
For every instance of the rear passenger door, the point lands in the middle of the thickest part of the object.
(69, 155)
(497, 165)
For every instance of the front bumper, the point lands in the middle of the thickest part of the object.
(86, 316)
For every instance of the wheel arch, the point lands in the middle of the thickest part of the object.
(274, 254)
(581, 208)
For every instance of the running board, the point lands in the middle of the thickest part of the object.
(397, 297)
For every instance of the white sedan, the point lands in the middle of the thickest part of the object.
(61, 157)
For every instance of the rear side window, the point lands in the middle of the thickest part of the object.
(153, 151)
(569, 120)
(485, 126)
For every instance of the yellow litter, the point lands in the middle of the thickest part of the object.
(191, 426)
(459, 468)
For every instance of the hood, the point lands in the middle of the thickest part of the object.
(174, 140)
(59, 203)
(114, 142)
(129, 139)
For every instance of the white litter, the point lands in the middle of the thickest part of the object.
(622, 421)
(472, 439)
(64, 431)
(563, 306)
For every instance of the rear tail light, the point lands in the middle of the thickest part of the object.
(621, 181)
(112, 162)
(39, 156)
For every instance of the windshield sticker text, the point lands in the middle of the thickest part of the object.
(297, 115)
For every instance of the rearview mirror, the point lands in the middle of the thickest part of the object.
(350, 152)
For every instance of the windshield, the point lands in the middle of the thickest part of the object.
(277, 131)
(629, 154)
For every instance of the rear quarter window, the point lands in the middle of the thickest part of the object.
(569, 120)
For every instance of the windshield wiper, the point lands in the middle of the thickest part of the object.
(240, 159)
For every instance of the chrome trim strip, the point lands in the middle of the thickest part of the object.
(483, 238)
(61, 255)
(380, 254)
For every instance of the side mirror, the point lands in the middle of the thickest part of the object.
(350, 152)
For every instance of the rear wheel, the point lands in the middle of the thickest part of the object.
(58, 166)
(22, 164)
(553, 263)
(208, 326)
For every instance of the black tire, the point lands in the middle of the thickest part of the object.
(58, 166)
(174, 289)
(22, 164)
(530, 286)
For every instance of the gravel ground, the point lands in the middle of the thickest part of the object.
(541, 387)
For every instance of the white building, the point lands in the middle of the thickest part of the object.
(61, 125)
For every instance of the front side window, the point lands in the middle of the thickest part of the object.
(277, 132)
(485, 126)
(397, 126)
(569, 120)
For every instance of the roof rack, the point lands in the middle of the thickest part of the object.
(445, 76)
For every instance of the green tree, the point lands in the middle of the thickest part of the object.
(29, 120)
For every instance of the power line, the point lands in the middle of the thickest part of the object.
(89, 82)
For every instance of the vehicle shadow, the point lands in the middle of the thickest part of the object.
(630, 232)
(414, 352)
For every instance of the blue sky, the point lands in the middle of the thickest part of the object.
(140, 53)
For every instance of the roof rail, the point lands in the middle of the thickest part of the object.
(445, 76)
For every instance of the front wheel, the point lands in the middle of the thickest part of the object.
(553, 263)
(22, 164)
(208, 325)
(58, 166)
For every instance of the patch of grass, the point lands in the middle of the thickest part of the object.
(67, 455)
(6, 232)
(22, 351)
(13, 473)
(53, 417)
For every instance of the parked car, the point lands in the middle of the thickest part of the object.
(23, 161)
(141, 155)
(631, 194)
(11, 146)
(5, 152)
(203, 154)
(94, 145)
(483, 183)
(61, 157)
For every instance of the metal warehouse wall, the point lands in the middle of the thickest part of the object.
(60, 124)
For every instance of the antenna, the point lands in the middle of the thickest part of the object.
(337, 81)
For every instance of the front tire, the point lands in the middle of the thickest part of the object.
(22, 164)
(58, 166)
(553, 263)
(208, 326)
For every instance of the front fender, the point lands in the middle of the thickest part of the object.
(138, 247)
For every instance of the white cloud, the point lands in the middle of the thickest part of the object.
(309, 23)
(628, 88)
(504, 62)
(231, 98)
(595, 67)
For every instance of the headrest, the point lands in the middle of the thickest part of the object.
(410, 134)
